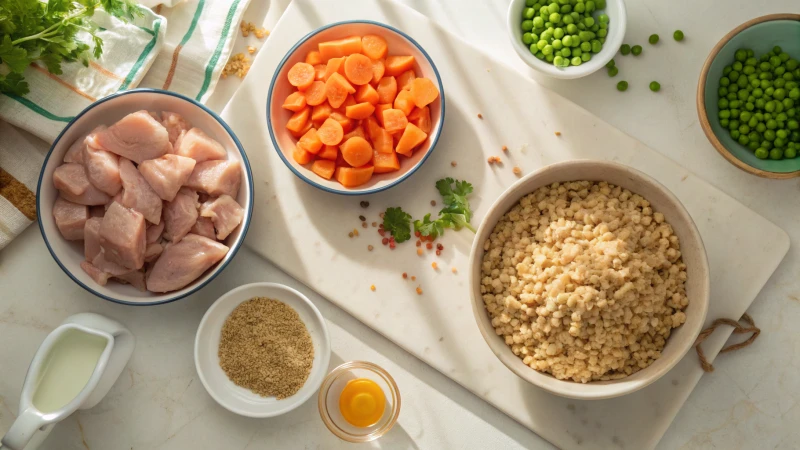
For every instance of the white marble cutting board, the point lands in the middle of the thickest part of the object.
(305, 231)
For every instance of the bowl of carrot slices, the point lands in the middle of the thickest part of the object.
(355, 107)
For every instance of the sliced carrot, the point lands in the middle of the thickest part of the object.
(367, 93)
(301, 75)
(324, 168)
(329, 152)
(412, 137)
(405, 79)
(356, 132)
(372, 127)
(360, 111)
(383, 141)
(356, 151)
(310, 141)
(358, 69)
(335, 65)
(298, 120)
(403, 102)
(394, 120)
(302, 156)
(304, 130)
(396, 65)
(385, 162)
(423, 91)
(319, 70)
(315, 94)
(321, 112)
(353, 176)
(295, 101)
(346, 122)
(421, 118)
(387, 90)
(313, 57)
(379, 111)
(337, 88)
(374, 46)
(349, 101)
(378, 69)
(339, 48)
(331, 132)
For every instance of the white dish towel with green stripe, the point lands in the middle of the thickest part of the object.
(186, 57)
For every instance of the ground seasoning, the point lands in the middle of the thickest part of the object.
(265, 347)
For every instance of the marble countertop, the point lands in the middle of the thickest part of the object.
(752, 400)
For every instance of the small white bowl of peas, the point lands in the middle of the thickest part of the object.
(566, 38)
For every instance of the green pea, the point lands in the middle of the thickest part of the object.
(566, 52)
(653, 39)
(557, 44)
(586, 47)
(636, 50)
(611, 63)
(586, 56)
(553, 8)
(596, 46)
(603, 18)
(741, 55)
(622, 86)
(602, 33)
(655, 86)
(613, 71)
(790, 153)
(776, 153)
(762, 153)
(626, 49)
(678, 35)
(576, 61)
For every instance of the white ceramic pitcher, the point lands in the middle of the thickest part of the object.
(33, 425)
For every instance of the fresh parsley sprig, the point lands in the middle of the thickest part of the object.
(398, 223)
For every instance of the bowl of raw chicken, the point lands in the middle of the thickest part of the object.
(145, 197)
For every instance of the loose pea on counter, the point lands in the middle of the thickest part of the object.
(564, 32)
(758, 102)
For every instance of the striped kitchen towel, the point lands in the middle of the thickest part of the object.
(186, 57)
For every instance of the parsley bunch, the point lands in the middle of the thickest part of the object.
(47, 32)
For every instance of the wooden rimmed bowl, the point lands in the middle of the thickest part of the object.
(760, 35)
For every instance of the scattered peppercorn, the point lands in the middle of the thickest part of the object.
(364, 225)
(372, 288)
(382, 232)
(433, 202)
(504, 148)
(439, 246)
(385, 241)
(350, 234)
(419, 290)
(362, 218)
(413, 278)
(355, 231)
(453, 163)
(419, 252)
(364, 204)
(405, 275)
(374, 224)
(419, 243)
(517, 171)
(438, 252)
(434, 265)
(454, 270)
(558, 133)
(429, 246)
(369, 247)
(381, 214)
(480, 116)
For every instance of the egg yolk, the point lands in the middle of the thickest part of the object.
(362, 402)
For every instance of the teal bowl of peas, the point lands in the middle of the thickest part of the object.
(566, 38)
(748, 96)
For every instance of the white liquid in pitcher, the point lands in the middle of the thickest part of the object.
(67, 369)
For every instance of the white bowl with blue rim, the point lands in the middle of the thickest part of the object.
(399, 44)
(69, 254)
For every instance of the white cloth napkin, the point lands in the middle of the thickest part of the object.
(186, 57)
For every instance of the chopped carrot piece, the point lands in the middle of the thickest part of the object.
(356, 132)
(383, 141)
(396, 65)
(346, 122)
(304, 130)
(414, 114)
(321, 112)
(353, 176)
(313, 57)
(374, 46)
(335, 65)
(423, 91)
(324, 168)
(421, 117)
(315, 94)
(367, 93)
(339, 48)
(356, 151)
(295, 101)
(379, 111)
(360, 111)
(372, 127)
(319, 70)
(298, 120)
(349, 101)
(412, 137)
(358, 69)
(378, 69)
(301, 75)
(302, 156)
(405, 79)
(310, 141)
(331, 132)
(329, 152)
(394, 120)
(337, 88)
(387, 90)
(385, 162)
(403, 102)
(340, 162)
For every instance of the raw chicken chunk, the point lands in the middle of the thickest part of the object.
(152, 252)
(154, 232)
(225, 213)
(75, 152)
(91, 238)
(204, 227)
(136, 136)
(135, 278)
(182, 263)
(96, 274)
(101, 262)
(71, 178)
(217, 178)
(199, 146)
(175, 125)
(102, 169)
(70, 218)
(122, 236)
(167, 174)
(180, 215)
(138, 194)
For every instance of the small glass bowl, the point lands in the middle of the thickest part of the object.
(331, 389)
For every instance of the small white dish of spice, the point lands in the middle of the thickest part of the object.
(262, 350)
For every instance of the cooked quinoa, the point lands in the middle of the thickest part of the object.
(584, 281)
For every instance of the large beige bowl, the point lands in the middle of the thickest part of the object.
(692, 249)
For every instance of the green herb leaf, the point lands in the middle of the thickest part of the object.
(426, 227)
(13, 83)
(15, 57)
(398, 223)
